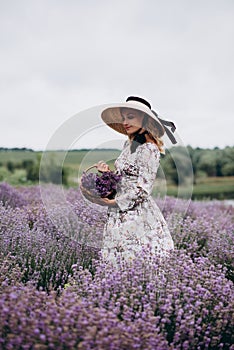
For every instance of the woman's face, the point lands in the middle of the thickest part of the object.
(131, 119)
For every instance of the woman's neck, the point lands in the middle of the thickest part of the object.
(147, 136)
(139, 131)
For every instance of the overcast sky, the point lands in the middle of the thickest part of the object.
(59, 58)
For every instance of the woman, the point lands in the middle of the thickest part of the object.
(134, 220)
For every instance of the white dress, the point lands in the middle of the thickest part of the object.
(137, 223)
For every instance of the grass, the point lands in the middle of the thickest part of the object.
(71, 158)
(210, 188)
(17, 156)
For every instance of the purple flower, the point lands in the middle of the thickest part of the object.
(184, 301)
(9, 196)
(104, 185)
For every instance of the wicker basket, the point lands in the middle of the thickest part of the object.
(87, 193)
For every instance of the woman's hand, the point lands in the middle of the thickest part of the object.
(102, 166)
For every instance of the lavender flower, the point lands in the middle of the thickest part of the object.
(56, 293)
(104, 185)
(88, 181)
(10, 196)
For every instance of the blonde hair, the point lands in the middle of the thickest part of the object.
(159, 142)
(151, 126)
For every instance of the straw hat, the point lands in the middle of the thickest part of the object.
(113, 118)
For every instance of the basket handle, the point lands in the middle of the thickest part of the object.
(92, 166)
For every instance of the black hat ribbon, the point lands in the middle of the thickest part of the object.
(168, 123)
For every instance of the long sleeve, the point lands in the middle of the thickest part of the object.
(134, 189)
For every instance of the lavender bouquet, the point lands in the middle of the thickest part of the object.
(95, 185)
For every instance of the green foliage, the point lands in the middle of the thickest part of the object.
(4, 173)
(10, 166)
(27, 163)
(32, 171)
(51, 169)
(228, 169)
(175, 165)
(214, 162)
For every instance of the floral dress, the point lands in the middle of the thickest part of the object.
(137, 222)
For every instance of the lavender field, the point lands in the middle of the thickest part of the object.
(56, 293)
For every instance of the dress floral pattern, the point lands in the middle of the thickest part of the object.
(137, 222)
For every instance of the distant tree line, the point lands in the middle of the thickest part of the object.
(215, 162)
(16, 149)
(205, 162)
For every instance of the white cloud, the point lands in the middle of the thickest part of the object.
(58, 58)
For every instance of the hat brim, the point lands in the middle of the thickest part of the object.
(113, 118)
